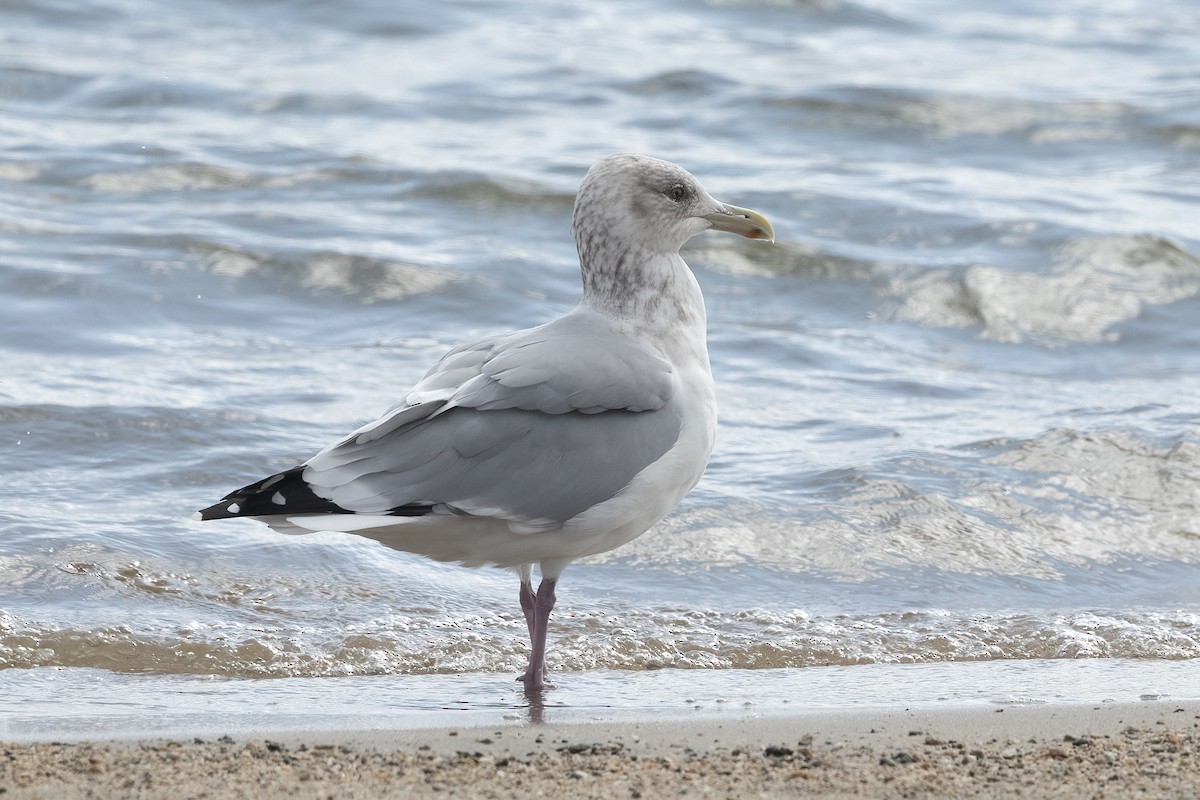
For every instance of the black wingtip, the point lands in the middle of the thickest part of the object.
(226, 509)
(283, 493)
(288, 493)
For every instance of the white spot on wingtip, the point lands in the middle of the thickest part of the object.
(197, 516)
(234, 508)
(278, 499)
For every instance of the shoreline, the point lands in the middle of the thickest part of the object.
(1040, 751)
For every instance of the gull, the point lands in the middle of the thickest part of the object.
(544, 445)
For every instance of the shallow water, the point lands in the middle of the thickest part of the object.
(960, 397)
(58, 704)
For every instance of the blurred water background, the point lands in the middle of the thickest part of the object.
(960, 397)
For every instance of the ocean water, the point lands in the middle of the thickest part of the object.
(960, 397)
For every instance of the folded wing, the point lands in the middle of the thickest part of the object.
(532, 427)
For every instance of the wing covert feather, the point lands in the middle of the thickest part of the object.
(519, 465)
(579, 362)
(532, 426)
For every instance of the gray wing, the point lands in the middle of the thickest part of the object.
(576, 363)
(524, 466)
(533, 427)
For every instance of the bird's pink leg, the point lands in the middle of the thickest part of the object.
(543, 603)
(527, 603)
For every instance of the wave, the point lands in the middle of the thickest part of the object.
(367, 278)
(633, 639)
(1029, 507)
(1094, 285)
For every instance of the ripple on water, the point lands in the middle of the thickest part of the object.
(1094, 285)
(633, 639)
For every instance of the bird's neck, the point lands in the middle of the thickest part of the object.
(655, 294)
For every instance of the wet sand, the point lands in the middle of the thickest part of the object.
(1064, 751)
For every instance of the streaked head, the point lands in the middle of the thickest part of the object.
(654, 206)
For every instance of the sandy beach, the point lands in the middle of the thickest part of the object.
(1143, 749)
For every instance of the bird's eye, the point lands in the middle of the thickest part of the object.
(677, 193)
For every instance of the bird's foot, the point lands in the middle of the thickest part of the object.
(542, 682)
